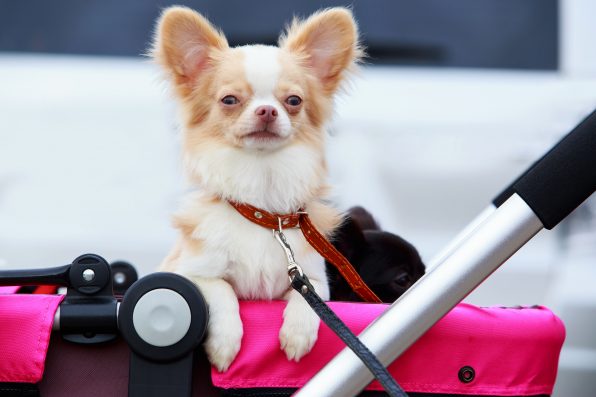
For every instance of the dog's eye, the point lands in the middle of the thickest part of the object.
(402, 280)
(293, 100)
(230, 100)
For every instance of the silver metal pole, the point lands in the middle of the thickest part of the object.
(461, 237)
(497, 238)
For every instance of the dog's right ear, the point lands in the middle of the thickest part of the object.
(184, 44)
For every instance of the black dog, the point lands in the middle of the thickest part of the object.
(388, 264)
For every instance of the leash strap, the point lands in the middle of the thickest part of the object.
(314, 238)
(301, 284)
(299, 281)
(341, 263)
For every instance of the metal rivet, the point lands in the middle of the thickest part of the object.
(88, 275)
(304, 289)
(466, 374)
(258, 215)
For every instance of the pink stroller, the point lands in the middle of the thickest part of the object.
(146, 343)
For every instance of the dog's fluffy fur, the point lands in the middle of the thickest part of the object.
(387, 263)
(273, 162)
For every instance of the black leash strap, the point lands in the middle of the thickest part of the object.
(301, 284)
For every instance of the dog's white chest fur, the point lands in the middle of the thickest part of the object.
(257, 267)
(245, 254)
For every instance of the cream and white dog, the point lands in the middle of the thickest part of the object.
(253, 132)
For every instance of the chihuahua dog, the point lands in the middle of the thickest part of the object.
(253, 132)
(387, 263)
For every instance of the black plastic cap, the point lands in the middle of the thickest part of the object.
(196, 304)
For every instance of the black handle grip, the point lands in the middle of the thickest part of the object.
(46, 276)
(562, 179)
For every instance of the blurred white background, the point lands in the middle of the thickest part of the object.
(89, 163)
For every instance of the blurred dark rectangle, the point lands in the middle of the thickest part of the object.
(462, 33)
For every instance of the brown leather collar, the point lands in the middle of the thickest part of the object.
(314, 238)
(267, 219)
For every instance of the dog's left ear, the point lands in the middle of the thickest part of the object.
(363, 218)
(328, 44)
(349, 240)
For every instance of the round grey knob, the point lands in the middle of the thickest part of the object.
(161, 317)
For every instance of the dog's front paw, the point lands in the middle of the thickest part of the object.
(223, 342)
(298, 333)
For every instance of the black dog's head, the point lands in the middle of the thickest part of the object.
(388, 264)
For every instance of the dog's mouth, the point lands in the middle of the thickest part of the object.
(263, 138)
(264, 135)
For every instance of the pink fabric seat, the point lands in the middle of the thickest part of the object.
(26, 324)
(513, 352)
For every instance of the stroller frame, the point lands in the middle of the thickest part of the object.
(540, 198)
